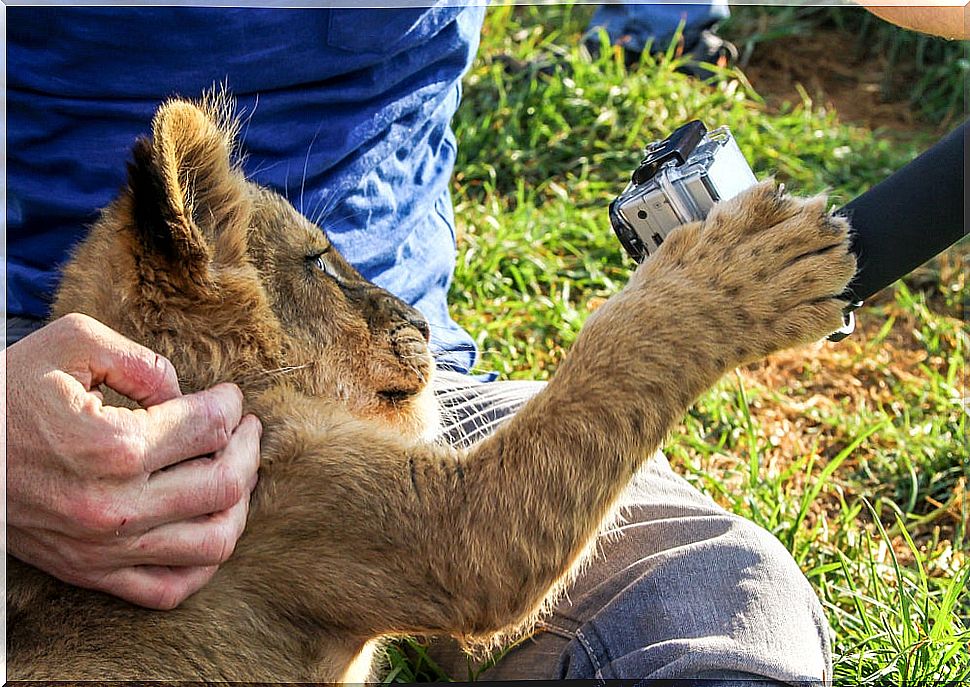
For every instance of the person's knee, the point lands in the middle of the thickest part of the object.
(723, 596)
(773, 607)
(756, 552)
(752, 563)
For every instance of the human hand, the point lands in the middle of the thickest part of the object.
(143, 504)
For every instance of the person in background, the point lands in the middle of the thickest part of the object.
(636, 27)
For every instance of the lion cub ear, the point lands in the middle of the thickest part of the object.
(190, 205)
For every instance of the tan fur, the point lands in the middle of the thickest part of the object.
(360, 528)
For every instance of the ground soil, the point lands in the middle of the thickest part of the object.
(834, 70)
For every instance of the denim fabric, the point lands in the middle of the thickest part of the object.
(634, 25)
(346, 112)
(680, 589)
(16, 328)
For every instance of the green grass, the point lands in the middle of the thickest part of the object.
(854, 454)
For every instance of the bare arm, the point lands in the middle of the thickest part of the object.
(938, 18)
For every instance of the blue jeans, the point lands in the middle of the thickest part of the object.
(633, 25)
(679, 588)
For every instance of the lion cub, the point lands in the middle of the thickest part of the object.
(360, 527)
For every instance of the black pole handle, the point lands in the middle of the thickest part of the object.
(912, 216)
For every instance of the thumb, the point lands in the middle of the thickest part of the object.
(129, 368)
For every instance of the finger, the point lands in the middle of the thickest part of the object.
(198, 426)
(202, 486)
(203, 541)
(159, 587)
(186, 427)
(152, 586)
(125, 366)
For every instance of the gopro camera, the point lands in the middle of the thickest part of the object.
(678, 181)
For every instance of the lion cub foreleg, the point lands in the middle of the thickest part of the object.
(430, 540)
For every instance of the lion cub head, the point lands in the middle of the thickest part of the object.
(231, 283)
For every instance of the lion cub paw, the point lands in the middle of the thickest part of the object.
(769, 270)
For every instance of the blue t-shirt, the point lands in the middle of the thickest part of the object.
(346, 111)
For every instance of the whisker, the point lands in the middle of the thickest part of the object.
(441, 349)
(249, 119)
(411, 356)
(444, 359)
(469, 439)
(491, 390)
(471, 410)
(263, 167)
(334, 220)
(281, 370)
(465, 435)
(324, 205)
(477, 426)
(306, 162)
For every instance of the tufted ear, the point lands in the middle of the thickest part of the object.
(189, 202)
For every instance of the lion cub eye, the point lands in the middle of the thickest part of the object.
(319, 261)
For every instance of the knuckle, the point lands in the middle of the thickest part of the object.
(95, 515)
(239, 520)
(237, 395)
(166, 596)
(84, 559)
(253, 447)
(165, 367)
(182, 587)
(161, 371)
(232, 485)
(257, 426)
(126, 458)
(220, 423)
(219, 544)
(80, 575)
(78, 325)
(72, 562)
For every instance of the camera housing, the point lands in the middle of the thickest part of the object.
(678, 181)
